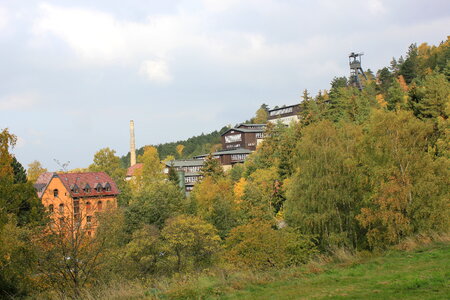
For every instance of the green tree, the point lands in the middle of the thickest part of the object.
(143, 252)
(327, 190)
(212, 167)
(215, 203)
(17, 196)
(409, 186)
(409, 68)
(192, 241)
(435, 97)
(261, 115)
(154, 205)
(173, 176)
(105, 160)
(258, 245)
(396, 96)
(20, 175)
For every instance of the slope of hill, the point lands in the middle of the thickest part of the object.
(192, 146)
(419, 274)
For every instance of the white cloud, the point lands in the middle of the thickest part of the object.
(4, 19)
(376, 7)
(18, 102)
(156, 71)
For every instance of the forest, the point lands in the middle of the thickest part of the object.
(361, 171)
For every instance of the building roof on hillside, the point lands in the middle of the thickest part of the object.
(244, 130)
(284, 106)
(185, 162)
(42, 181)
(225, 152)
(131, 170)
(250, 125)
(93, 179)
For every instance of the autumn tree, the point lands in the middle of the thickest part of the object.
(34, 170)
(396, 97)
(191, 241)
(17, 196)
(215, 202)
(409, 185)
(261, 115)
(151, 171)
(434, 98)
(211, 167)
(154, 205)
(257, 245)
(327, 189)
(105, 160)
(180, 149)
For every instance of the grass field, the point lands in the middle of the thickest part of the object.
(420, 274)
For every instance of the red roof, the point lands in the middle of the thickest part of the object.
(42, 181)
(132, 169)
(72, 180)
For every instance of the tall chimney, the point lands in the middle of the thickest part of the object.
(132, 145)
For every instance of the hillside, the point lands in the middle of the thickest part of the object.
(419, 274)
(192, 146)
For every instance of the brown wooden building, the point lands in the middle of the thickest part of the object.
(246, 136)
(285, 114)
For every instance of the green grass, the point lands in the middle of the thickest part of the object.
(420, 274)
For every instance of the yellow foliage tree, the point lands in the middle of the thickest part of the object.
(239, 189)
(34, 170)
(180, 149)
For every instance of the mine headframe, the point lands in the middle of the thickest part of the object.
(354, 60)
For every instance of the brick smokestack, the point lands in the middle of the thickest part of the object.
(132, 145)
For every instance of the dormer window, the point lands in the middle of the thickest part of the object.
(87, 188)
(74, 188)
(98, 188)
(107, 187)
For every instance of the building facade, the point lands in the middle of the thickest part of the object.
(246, 136)
(188, 171)
(74, 200)
(285, 114)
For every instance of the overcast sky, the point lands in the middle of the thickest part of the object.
(74, 73)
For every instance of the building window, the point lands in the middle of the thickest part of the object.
(281, 111)
(259, 135)
(76, 207)
(88, 206)
(74, 188)
(61, 208)
(99, 205)
(89, 220)
(61, 221)
(238, 157)
(98, 188)
(233, 138)
(55, 192)
(87, 188)
(51, 208)
(107, 187)
(108, 204)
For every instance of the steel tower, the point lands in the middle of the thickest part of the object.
(354, 60)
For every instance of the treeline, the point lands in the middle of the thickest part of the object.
(193, 146)
(362, 170)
